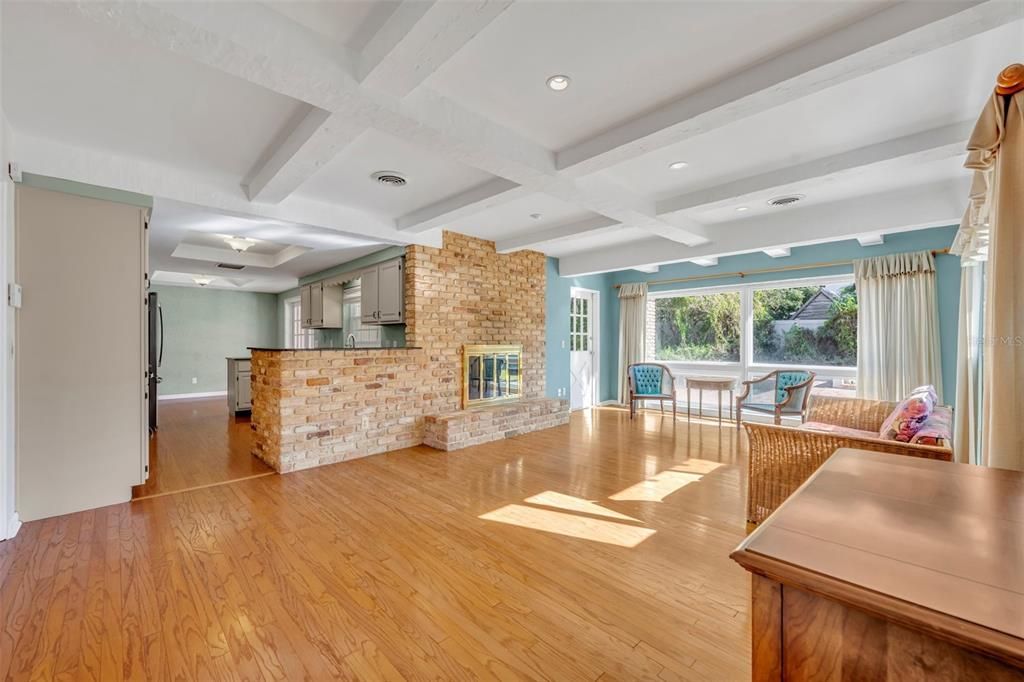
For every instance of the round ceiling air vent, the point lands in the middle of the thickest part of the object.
(786, 200)
(389, 178)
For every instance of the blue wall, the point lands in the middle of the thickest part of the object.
(557, 351)
(948, 278)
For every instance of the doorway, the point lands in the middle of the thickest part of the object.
(584, 348)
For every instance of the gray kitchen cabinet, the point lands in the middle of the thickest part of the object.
(320, 304)
(382, 293)
(239, 384)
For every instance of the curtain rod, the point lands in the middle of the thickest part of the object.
(762, 271)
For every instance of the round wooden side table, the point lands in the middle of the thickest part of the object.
(702, 384)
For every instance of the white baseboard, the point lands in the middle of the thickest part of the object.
(610, 402)
(186, 396)
(13, 524)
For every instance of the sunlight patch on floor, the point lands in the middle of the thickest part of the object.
(550, 498)
(571, 525)
(656, 488)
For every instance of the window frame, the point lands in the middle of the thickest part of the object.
(300, 339)
(746, 368)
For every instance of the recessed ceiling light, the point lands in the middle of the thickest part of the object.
(558, 83)
(677, 165)
(535, 216)
(239, 244)
(741, 209)
(202, 281)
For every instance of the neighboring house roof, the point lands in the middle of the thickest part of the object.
(817, 307)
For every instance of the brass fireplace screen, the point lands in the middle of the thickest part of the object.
(491, 374)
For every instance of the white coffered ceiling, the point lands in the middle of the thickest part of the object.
(284, 110)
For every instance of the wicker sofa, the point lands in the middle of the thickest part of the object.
(783, 457)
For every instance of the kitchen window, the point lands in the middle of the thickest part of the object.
(351, 319)
(295, 335)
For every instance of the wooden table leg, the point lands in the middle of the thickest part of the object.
(732, 406)
(719, 392)
(688, 400)
(700, 403)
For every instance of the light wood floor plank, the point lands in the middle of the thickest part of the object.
(597, 550)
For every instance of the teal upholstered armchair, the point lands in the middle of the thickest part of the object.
(650, 381)
(782, 392)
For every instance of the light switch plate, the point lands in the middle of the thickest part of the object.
(14, 295)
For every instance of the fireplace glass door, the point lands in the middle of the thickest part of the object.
(491, 374)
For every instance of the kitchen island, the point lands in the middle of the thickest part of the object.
(315, 407)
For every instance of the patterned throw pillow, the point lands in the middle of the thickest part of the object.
(910, 415)
(937, 429)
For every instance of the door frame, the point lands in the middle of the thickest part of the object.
(595, 328)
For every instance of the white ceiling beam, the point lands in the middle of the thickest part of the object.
(900, 210)
(704, 262)
(418, 38)
(648, 269)
(310, 143)
(475, 200)
(778, 252)
(233, 37)
(57, 159)
(904, 30)
(871, 239)
(548, 235)
(930, 145)
(415, 40)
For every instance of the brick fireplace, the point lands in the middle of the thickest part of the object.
(317, 407)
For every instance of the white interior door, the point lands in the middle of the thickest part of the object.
(584, 342)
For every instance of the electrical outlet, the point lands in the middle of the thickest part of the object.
(195, 380)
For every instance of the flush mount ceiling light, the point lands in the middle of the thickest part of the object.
(558, 83)
(202, 281)
(240, 244)
(535, 216)
(389, 178)
(678, 165)
(741, 209)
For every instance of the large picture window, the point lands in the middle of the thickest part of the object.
(806, 325)
(747, 330)
(698, 328)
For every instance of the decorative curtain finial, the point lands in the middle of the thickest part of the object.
(1010, 80)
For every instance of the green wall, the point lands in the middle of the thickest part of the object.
(947, 276)
(204, 327)
(390, 333)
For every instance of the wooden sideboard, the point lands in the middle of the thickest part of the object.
(891, 568)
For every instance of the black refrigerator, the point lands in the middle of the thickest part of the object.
(156, 354)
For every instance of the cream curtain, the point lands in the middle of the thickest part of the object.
(966, 414)
(897, 325)
(632, 330)
(996, 154)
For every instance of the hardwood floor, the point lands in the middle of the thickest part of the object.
(199, 443)
(407, 565)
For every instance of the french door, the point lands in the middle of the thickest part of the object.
(584, 348)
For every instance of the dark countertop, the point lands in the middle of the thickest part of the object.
(348, 348)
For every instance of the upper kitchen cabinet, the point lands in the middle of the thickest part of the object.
(321, 305)
(382, 294)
